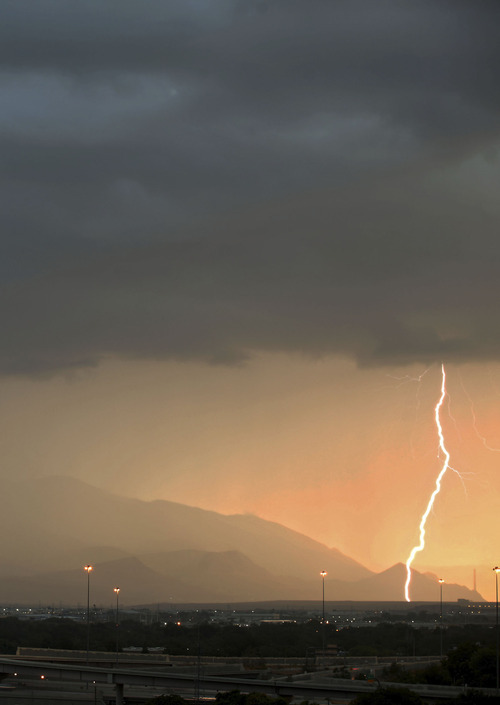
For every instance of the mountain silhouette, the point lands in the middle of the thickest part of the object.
(167, 552)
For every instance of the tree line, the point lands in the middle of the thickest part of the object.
(257, 640)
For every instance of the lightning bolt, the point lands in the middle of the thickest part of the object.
(409, 378)
(474, 422)
(446, 464)
(406, 379)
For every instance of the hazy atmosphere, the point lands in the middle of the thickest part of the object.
(239, 238)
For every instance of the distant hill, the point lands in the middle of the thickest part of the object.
(170, 553)
(181, 577)
(212, 577)
(389, 585)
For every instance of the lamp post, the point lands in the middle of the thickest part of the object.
(497, 571)
(323, 575)
(116, 590)
(441, 581)
(88, 569)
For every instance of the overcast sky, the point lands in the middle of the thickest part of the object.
(203, 180)
(210, 185)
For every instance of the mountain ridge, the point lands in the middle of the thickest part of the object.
(166, 551)
(138, 527)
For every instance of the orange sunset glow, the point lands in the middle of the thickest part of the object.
(346, 456)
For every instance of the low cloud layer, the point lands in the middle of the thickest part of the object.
(197, 180)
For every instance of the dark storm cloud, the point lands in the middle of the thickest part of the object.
(205, 179)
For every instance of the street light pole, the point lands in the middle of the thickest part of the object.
(88, 569)
(441, 581)
(497, 570)
(116, 590)
(323, 575)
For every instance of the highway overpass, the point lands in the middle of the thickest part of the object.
(319, 689)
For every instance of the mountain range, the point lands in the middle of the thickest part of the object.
(169, 553)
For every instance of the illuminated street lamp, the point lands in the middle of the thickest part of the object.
(116, 590)
(323, 575)
(497, 571)
(88, 569)
(441, 581)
